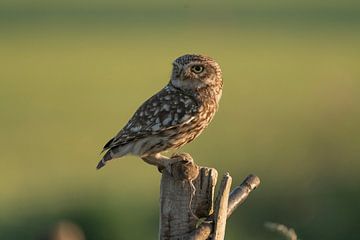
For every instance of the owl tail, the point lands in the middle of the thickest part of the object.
(115, 152)
(106, 157)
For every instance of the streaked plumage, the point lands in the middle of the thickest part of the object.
(175, 115)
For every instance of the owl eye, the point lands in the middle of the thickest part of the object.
(197, 69)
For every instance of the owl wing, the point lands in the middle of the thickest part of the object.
(169, 108)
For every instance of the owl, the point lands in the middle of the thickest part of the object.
(174, 116)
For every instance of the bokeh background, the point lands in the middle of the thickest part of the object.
(73, 71)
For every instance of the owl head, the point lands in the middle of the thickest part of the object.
(192, 72)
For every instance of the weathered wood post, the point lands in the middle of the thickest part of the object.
(187, 206)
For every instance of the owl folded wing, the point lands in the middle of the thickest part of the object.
(168, 109)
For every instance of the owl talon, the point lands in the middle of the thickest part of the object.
(160, 169)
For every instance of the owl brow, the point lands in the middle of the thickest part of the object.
(194, 63)
(176, 64)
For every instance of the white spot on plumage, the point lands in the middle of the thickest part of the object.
(185, 118)
(156, 127)
(135, 129)
(165, 107)
(186, 101)
(167, 121)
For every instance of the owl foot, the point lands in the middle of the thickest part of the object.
(171, 165)
(162, 162)
(181, 165)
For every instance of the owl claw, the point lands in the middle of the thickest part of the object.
(160, 169)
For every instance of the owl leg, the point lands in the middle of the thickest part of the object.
(162, 162)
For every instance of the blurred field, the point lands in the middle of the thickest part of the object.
(72, 74)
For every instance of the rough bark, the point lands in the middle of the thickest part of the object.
(181, 207)
(221, 208)
(187, 201)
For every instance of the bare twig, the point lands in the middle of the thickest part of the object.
(236, 198)
(221, 208)
(289, 233)
(240, 193)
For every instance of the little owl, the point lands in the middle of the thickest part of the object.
(174, 116)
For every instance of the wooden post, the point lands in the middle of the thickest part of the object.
(221, 207)
(187, 206)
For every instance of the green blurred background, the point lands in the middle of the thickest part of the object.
(73, 72)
